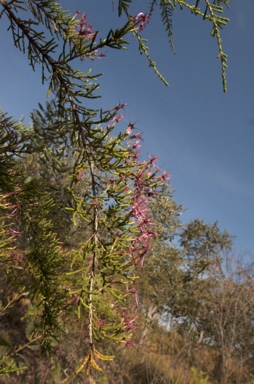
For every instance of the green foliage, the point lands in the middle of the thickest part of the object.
(44, 260)
(203, 242)
(198, 377)
(10, 367)
(213, 12)
(167, 9)
(77, 206)
(210, 11)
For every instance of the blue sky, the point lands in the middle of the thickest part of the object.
(203, 137)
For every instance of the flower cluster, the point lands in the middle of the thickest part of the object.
(142, 19)
(101, 323)
(84, 29)
(142, 243)
(141, 196)
(129, 324)
(97, 55)
(117, 201)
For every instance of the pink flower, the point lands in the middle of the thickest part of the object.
(14, 233)
(120, 106)
(152, 160)
(80, 175)
(136, 145)
(128, 342)
(101, 55)
(146, 236)
(97, 55)
(101, 323)
(130, 324)
(139, 208)
(118, 118)
(129, 129)
(17, 257)
(140, 173)
(139, 16)
(143, 19)
(136, 136)
(84, 28)
(136, 155)
(164, 177)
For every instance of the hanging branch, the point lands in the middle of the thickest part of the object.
(108, 188)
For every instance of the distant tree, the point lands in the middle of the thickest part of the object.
(197, 306)
(226, 320)
(176, 267)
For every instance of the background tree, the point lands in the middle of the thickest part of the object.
(205, 334)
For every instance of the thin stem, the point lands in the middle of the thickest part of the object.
(92, 273)
(16, 298)
(24, 346)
